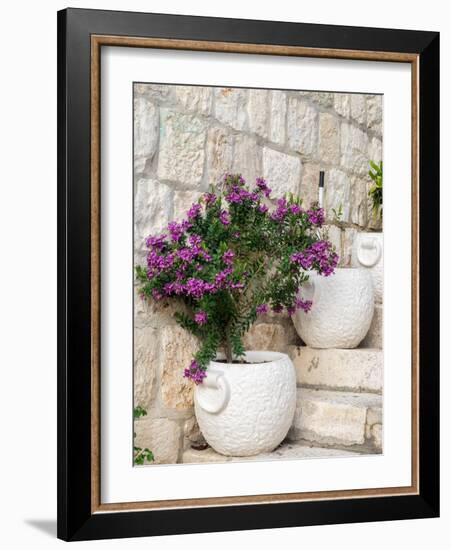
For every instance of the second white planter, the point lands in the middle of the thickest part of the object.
(368, 252)
(343, 307)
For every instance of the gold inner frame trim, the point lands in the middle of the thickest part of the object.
(97, 41)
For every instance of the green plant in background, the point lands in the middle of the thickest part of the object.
(138, 412)
(140, 455)
(338, 214)
(375, 192)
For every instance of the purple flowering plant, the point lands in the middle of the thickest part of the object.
(233, 258)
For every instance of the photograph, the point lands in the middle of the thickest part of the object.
(258, 275)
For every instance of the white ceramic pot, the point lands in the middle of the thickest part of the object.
(342, 310)
(367, 251)
(247, 409)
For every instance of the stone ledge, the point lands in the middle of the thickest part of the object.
(286, 451)
(335, 418)
(356, 370)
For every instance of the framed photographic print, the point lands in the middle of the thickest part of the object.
(248, 274)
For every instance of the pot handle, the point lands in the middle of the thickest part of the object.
(369, 244)
(214, 380)
(314, 289)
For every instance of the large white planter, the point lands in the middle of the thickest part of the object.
(343, 307)
(367, 251)
(246, 409)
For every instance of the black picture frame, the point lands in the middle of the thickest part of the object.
(76, 521)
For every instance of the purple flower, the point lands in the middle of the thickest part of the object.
(176, 231)
(305, 305)
(228, 256)
(319, 256)
(281, 210)
(316, 216)
(194, 211)
(209, 198)
(261, 309)
(237, 195)
(235, 286)
(158, 263)
(201, 317)
(295, 209)
(156, 242)
(263, 208)
(194, 240)
(174, 289)
(291, 310)
(195, 372)
(156, 294)
(221, 277)
(224, 217)
(197, 288)
(261, 184)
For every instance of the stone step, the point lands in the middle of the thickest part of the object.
(286, 451)
(356, 370)
(338, 418)
(374, 338)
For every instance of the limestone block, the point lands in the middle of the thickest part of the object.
(192, 432)
(359, 201)
(374, 416)
(329, 138)
(282, 172)
(375, 150)
(177, 347)
(358, 108)
(219, 154)
(257, 112)
(375, 336)
(145, 354)
(145, 132)
(182, 203)
(152, 211)
(302, 125)
(334, 236)
(278, 116)
(374, 112)
(181, 153)
(267, 336)
(161, 436)
(325, 99)
(156, 314)
(377, 435)
(337, 193)
(195, 98)
(348, 237)
(309, 183)
(355, 370)
(286, 451)
(247, 158)
(206, 456)
(332, 418)
(155, 92)
(230, 107)
(354, 149)
(342, 104)
(141, 310)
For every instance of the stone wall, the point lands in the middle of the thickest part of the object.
(187, 137)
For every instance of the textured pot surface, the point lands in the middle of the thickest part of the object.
(343, 307)
(247, 409)
(368, 252)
